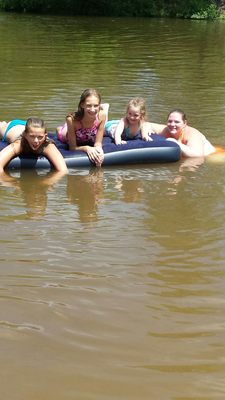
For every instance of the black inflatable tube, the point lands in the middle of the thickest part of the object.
(134, 152)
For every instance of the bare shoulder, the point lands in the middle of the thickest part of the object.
(50, 147)
(15, 147)
(194, 136)
(190, 130)
(70, 118)
(124, 122)
(9, 152)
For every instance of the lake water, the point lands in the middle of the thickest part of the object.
(113, 280)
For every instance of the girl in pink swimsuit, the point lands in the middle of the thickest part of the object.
(84, 129)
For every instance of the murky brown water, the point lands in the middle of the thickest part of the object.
(113, 281)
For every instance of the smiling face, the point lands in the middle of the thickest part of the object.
(91, 106)
(175, 124)
(133, 115)
(35, 137)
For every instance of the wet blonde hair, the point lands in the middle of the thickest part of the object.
(140, 103)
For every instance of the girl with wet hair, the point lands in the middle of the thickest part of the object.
(33, 141)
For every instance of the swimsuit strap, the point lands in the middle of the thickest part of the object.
(95, 123)
(181, 138)
(127, 129)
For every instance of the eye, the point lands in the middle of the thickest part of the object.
(92, 105)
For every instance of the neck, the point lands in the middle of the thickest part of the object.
(89, 118)
(178, 136)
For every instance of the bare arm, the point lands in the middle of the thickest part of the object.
(56, 158)
(156, 128)
(194, 146)
(146, 131)
(51, 178)
(118, 132)
(101, 129)
(71, 136)
(9, 152)
(192, 149)
(95, 153)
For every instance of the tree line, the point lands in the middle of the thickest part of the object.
(199, 9)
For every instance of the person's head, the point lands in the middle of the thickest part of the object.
(89, 103)
(136, 110)
(176, 121)
(35, 132)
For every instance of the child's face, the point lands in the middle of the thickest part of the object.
(35, 137)
(91, 105)
(133, 114)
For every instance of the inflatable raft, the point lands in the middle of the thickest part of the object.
(137, 151)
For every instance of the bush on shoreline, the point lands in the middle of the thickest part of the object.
(199, 9)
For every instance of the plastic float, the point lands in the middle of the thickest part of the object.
(137, 151)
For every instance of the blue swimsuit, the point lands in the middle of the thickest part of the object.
(127, 136)
(110, 128)
(13, 123)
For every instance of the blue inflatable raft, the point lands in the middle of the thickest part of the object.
(137, 151)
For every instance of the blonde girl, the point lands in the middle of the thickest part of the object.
(133, 125)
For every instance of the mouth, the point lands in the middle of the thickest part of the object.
(35, 146)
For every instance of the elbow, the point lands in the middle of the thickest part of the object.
(63, 170)
(73, 148)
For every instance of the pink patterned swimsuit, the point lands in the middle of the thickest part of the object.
(83, 135)
(87, 135)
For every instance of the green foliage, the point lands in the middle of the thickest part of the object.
(22, 5)
(209, 13)
(207, 9)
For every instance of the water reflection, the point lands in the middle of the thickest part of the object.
(132, 189)
(86, 192)
(32, 188)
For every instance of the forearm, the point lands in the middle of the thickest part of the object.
(71, 135)
(98, 144)
(79, 148)
(189, 151)
(157, 128)
(118, 133)
(146, 132)
(9, 152)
